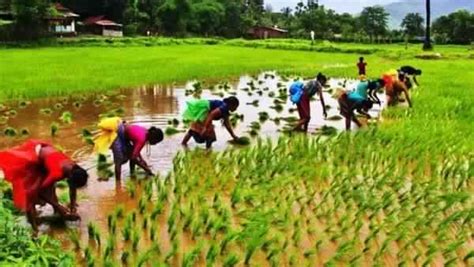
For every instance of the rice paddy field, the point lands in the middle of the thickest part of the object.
(395, 193)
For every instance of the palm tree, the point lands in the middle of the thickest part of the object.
(427, 45)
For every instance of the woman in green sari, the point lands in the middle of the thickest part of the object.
(201, 114)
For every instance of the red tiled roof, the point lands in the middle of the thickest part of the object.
(93, 20)
(99, 20)
(106, 22)
(269, 28)
(63, 12)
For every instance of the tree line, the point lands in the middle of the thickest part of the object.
(233, 18)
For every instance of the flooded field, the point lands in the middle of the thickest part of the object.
(140, 216)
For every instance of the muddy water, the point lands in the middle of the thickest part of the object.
(148, 106)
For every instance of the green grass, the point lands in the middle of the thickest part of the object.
(53, 71)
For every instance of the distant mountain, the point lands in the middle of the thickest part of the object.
(398, 10)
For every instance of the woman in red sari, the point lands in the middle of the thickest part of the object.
(33, 169)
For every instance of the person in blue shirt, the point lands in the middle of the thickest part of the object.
(368, 89)
(350, 101)
(301, 95)
(201, 114)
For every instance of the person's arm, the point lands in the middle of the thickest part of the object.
(136, 156)
(415, 81)
(407, 96)
(31, 216)
(142, 164)
(73, 200)
(321, 97)
(216, 113)
(47, 196)
(228, 126)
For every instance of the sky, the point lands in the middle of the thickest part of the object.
(351, 6)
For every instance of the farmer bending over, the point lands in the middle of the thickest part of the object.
(368, 89)
(201, 114)
(301, 96)
(350, 101)
(33, 169)
(394, 91)
(126, 141)
(411, 72)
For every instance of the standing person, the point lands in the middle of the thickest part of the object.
(201, 114)
(394, 91)
(33, 169)
(411, 72)
(362, 67)
(126, 141)
(350, 101)
(301, 96)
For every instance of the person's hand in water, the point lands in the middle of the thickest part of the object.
(70, 216)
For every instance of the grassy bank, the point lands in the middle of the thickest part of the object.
(51, 71)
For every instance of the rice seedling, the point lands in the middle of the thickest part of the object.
(241, 141)
(172, 131)
(142, 204)
(24, 104)
(131, 188)
(46, 111)
(10, 132)
(124, 257)
(112, 223)
(327, 130)
(254, 103)
(94, 234)
(11, 113)
(58, 106)
(89, 258)
(110, 247)
(74, 237)
(135, 240)
(24, 132)
(190, 258)
(231, 260)
(278, 108)
(212, 254)
(54, 129)
(3, 120)
(334, 118)
(263, 116)
(172, 253)
(77, 105)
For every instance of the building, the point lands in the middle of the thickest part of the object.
(101, 26)
(264, 32)
(63, 21)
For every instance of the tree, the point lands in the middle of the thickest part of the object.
(374, 21)
(208, 14)
(457, 27)
(427, 45)
(30, 18)
(412, 24)
(173, 15)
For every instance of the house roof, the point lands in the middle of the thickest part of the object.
(270, 28)
(63, 12)
(100, 20)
